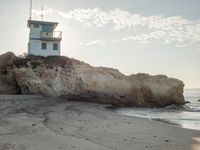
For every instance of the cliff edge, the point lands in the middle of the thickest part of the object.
(71, 79)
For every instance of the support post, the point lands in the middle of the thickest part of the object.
(30, 13)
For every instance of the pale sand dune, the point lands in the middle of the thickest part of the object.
(38, 123)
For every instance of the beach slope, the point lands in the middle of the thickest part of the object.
(38, 123)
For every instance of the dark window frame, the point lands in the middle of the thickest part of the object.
(44, 46)
(55, 46)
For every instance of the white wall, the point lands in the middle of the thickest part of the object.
(35, 32)
(45, 34)
(36, 48)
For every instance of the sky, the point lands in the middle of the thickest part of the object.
(134, 36)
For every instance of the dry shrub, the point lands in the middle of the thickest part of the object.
(49, 62)
(61, 61)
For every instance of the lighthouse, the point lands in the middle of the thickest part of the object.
(43, 39)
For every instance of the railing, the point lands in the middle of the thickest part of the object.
(57, 34)
(53, 35)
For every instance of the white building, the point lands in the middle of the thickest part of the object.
(43, 40)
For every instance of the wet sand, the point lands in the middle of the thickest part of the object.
(38, 123)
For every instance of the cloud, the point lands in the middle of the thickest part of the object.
(174, 29)
(91, 43)
(123, 19)
(184, 36)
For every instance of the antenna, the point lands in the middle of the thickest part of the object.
(30, 13)
(42, 15)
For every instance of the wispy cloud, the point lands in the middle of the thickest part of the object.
(174, 29)
(95, 42)
(181, 37)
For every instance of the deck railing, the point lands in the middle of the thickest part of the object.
(57, 34)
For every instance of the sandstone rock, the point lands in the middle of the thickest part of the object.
(164, 90)
(8, 85)
(75, 80)
(6, 61)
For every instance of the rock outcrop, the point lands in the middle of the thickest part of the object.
(74, 80)
(8, 84)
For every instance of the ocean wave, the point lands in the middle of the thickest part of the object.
(182, 108)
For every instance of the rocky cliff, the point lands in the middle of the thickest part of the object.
(8, 84)
(74, 80)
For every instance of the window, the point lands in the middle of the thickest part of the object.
(44, 46)
(36, 25)
(55, 46)
(47, 28)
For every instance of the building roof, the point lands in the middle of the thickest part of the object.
(42, 23)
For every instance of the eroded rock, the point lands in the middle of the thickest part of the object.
(75, 80)
(8, 84)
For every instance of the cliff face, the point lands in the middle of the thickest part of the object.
(74, 80)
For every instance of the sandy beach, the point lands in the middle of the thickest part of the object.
(38, 123)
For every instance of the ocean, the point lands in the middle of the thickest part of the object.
(187, 116)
